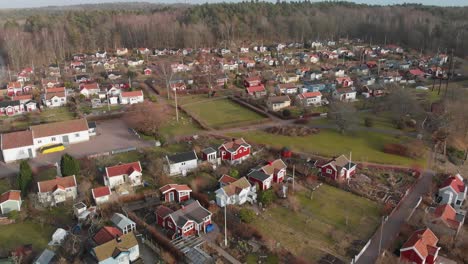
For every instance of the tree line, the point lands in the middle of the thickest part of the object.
(48, 37)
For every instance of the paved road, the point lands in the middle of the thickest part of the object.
(112, 134)
(392, 226)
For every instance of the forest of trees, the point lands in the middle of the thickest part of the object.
(44, 37)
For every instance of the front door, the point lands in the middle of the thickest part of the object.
(171, 197)
(65, 140)
(30, 154)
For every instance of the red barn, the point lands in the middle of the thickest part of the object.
(337, 168)
(420, 248)
(175, 192)
(187, 221)
(234, 151)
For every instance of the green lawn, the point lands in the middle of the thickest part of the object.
(18, 234)
(327, 223)
(365, 146)
(186, 126)
(223, 113)
(58, 114)
(5, 185)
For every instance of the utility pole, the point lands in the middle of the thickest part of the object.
(294, 172)
(225, 225)
(176, 107)
(381, 234)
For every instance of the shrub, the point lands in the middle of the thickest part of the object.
(369, 122)
(69, 165)
(246, 215)
(286, 113)
(25, 177)
(234, 173)
(266, 197)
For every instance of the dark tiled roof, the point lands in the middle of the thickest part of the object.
(181, 157)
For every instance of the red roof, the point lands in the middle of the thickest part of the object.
(106, 234)
(101, 191)
(22, 97)
(177, 187)
(132, 94)
(226, 179)
(310, 94)
(163, 211)
(455, 183)
(447, 214)
(423, 241)
(55, 90)
(417, 72)
(122, 169)
(255, 89)
(89, 86)
(12, 195)
(16, 139)
(58, 183)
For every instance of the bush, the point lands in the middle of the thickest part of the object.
(234, 173)
(286, 113)
(246, 215)
(369, 122)
(69, 165)
(266, 197)
(25, 177)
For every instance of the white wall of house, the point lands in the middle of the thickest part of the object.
(102, 199)
(56, 101)
(58, 196)
(279, 106)
(182, 167)
(74, 137)
(27, 152)
(114, 181)
(131, 100)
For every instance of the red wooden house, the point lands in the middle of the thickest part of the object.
(264, 176)
(187, 221)
(337, 168)
(175, 192)
(252, 81)
(234, 151)
(421, 248)
(148, 71)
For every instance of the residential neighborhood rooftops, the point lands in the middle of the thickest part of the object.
(115, 246)
(274, 166)
(226, 179)
(101, 191)
(122, 169)
(57, 183)
(423, 241)
(192, 211)
(181, 157)
(16, 139)
(163, 211)
(236, 186)
(259, 175)
(278, 99)
(9, 103)
(310, 95)
(12, 195)
(59, 128)
(455, 182)
(448, 215)
(234, 144)
(209, 150)
(132, 93)
(121, 221)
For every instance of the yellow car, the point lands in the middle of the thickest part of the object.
(52, 148)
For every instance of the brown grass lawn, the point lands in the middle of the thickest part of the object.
(327, 223)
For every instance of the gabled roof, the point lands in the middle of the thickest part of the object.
(106, 234)
(339, 162)
(423, 241)
(182, 157)
(177, 187)
(121, 221)
(59, 128)
(101, 191)
(9, 103)
(127, 169)
(132, 94)
(209, 150)
(345, 90)
(226, 179)
(55, 90)
(237, 186)
(310, 95)
(114, 247)
(278, 99)
(163, 211)
(255, 89)
(12, 195)
(192, 211)
(57, 183)
(454, 182)
(235, 144)
(16, 140)
(274, 166)
(259, 175)
(448, 215)
(22, 97)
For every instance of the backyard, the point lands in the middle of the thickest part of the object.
(323, 225)
(223, 113)
(365, 146)
(28, 232)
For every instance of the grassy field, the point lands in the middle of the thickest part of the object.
(327, 223)
(185, 126)
(222, 113)
(18, 234)
(365, 146)
(58, 114)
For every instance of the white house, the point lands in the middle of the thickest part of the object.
(236, 192)
(453, 191)
(276, 103)
(55, 97)
(133, 97)
(89, 89)
(310, 98)
(17, 146)
(129, 173)
(345, 94)
(121, 51)
(123, 223)
(123, 249)
(101, 194)
(67, 132)
(10, 201)
(286, 88)
(58, 190)
(181, 163)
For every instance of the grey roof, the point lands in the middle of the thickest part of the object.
(91, 124)
(259, 175)
(9, 103)
(278, 99)
(121, 221)
(192, 211)
(45, 257)
(209, 150)
(349, 165)
(181, 157)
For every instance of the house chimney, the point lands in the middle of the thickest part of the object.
(118, 239)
